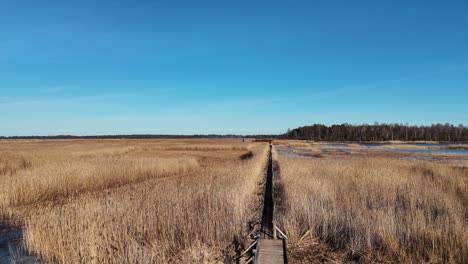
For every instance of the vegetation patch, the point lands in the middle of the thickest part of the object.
(145, 202)
(377, 210)
(247, 155)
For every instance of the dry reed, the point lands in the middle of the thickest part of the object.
(375, 210)
(52, 179)
(459, 146)
(133, 201)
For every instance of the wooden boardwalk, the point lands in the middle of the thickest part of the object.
(270, 251)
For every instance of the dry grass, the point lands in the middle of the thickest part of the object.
(10, 164)
(314, 147)
(208, 147)
(400, 146)
(298, 145)
(61, 178)
(132, 201)
(374, 210)
(191, 201)
(355, 146)
(465, 146)
(34, 177)
(292, 143)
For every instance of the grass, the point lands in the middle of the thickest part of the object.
(292, 143)
(457, 146)
(64, 176)
(132, 201)
(374, 210)
(194, 201)
(208, 147)
(10, 164)
(402, 146)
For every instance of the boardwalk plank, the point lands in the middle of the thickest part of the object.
(271, 251)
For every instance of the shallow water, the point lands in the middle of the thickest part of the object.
(370, 144)
(335, 144)
(11, 250)
(370, 147)
(431, 151)
(403, 150)
(287, 152)
(341, 150)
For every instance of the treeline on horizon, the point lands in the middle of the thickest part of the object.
(379, 132)
(317, 132)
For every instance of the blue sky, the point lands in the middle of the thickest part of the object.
(184, 67)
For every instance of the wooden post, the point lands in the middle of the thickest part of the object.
(249, 248)
(281, 233)
(274, 230)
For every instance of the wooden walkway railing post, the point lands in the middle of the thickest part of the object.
(274, 230)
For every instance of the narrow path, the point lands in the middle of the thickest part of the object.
(269, 249)
(268, 203)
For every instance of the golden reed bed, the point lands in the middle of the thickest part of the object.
(131, 201)
(191, 201)
(374, 210)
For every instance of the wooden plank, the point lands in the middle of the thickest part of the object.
(271, 251)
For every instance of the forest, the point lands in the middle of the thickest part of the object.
(379, 132)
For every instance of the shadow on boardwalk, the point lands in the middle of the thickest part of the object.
(268, 204)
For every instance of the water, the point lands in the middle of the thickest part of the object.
(11, 250)
(402, 150)
(339, 150)
(432, 148)
(371, 144)
(335, 144)
(368, 147)
(287, 152)
(431, 151)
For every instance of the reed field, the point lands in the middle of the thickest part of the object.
(457, 146)
(131, 201)
(196, 200)
(373, 210)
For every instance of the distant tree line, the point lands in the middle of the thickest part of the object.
(379, 132)
(318, 132)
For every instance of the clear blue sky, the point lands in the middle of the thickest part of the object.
(183, 67)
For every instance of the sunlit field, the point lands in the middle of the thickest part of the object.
(372, 207)
(131, 201)
(196, 201)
